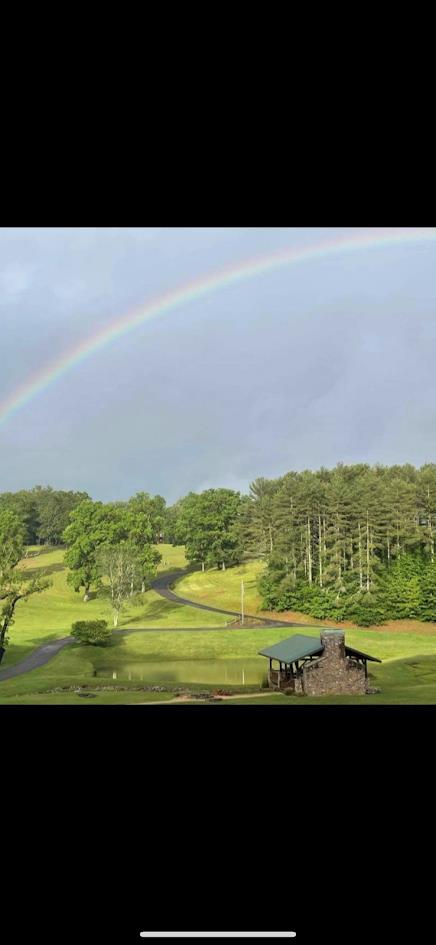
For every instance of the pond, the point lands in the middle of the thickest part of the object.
(232, 672)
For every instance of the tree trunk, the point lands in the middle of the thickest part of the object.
(309, 552)
(360, 559)
(115, 618)
(320, 550)
(202, 566)
(294, 564)
(86, 594)
(7, 618)
(367, 552)
(223, 566)
(143, 586)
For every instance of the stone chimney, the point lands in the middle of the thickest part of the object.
(333, 642)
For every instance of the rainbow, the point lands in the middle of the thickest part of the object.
(205, 285)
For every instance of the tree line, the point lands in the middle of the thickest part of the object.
(354, 542)
(43, 512)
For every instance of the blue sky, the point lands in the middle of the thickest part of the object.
(329, 361)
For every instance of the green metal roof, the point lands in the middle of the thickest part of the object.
(301, 646)
(364, 656)
(294, 648)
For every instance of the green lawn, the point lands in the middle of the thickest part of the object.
(410, 681)
(407, 674)
(223, 588)
(173, 557)
(49, 615)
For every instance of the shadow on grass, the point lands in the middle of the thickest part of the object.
(14, 654)
(44, 550)
(154, 611)
(28, 573)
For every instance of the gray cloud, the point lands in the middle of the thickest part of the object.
(332, 360)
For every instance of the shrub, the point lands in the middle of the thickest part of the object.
(428, 593)
(94, 632)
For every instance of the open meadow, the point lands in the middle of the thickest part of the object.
(48, 616)
(179, 649)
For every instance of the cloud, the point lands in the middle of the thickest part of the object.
(15, 280)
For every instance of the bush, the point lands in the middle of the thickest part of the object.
(428, 593)
(94, 632)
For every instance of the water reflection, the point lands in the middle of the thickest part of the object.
(237, 672)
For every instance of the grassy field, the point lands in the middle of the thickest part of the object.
(410, 681)
(407, 647)
(406, 676)
(49, 615)
(223, 588)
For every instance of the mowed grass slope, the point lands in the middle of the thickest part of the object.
(223, 588)
(397, 640)
(406, 676)
(407, 648)
(49, 615)
(402, 682)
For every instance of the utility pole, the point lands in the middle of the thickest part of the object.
(242, 602)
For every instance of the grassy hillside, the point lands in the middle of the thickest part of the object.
(223, 588)
(407, 674)
(173, 557)
(49, 615)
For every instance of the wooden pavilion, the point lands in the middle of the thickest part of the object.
(317, 665)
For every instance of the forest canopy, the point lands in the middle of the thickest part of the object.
(351, 543)
(356, 542)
